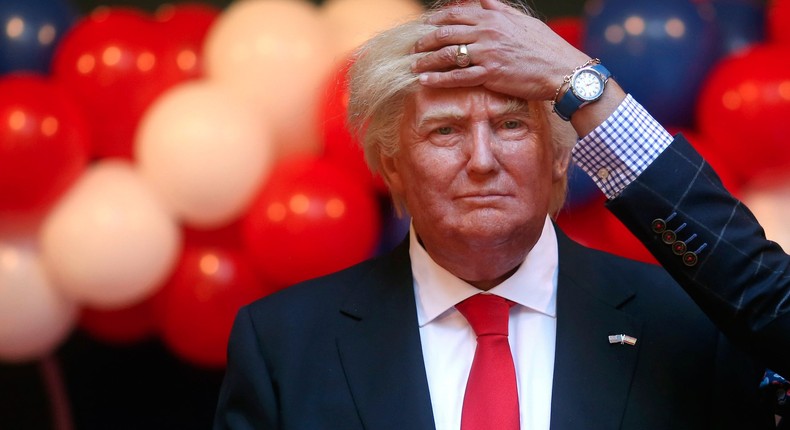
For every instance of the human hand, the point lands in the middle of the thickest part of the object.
(511, 53)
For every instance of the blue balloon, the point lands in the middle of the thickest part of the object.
(740, 23)
(659, 51)
(581, 189)
(30, 30)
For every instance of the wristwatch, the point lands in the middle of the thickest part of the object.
(585, 86)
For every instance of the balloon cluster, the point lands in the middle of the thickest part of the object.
(716, 70)
(158, 171)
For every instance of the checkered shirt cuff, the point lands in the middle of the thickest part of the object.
(621, 148)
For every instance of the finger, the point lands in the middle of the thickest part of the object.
(471, 76)
(443, 36)
(494, 5)
(462, 14)
(499, 6)
(439, 60)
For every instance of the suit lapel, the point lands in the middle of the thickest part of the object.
(380, 349)
(591, 376)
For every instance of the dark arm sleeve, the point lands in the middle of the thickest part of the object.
(247, 398)
(739, 279)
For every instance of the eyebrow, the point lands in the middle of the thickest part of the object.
(517, 106)
(440, 114)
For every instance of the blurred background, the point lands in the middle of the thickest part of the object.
(162, 165)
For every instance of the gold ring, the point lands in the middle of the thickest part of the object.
(462, 58)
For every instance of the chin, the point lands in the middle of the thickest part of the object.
(501, 225)
(489, 229)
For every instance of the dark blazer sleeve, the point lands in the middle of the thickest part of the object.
(739, 279)
(246, 399)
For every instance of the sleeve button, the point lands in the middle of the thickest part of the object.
(690, 258)
(669, 237)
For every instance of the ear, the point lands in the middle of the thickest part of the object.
(391, 174)
(561, 159)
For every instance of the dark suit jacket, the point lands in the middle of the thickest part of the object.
(741, 280)
(343, 352)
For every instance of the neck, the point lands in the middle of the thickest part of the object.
(483, 265)
(486, 285)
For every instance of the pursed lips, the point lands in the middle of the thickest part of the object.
(482, 195)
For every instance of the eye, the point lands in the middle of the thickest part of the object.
(444, 131)
(511, 124)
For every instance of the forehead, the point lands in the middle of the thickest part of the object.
(429, 103)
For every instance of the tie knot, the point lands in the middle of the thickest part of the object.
(486, 313)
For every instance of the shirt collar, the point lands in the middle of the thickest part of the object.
(533, 285)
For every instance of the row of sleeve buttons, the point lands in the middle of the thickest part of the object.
(679, 247)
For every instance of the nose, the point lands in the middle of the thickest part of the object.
(482, 158)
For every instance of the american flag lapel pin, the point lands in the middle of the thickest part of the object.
(622, 339)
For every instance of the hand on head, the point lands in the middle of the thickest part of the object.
(511, 53)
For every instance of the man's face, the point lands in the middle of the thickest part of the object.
(474, 166)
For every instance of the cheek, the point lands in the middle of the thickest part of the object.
(435, 164)
(529, 158)
(534, 176)
(428, 177)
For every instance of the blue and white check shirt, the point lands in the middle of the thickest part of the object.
(621, 148)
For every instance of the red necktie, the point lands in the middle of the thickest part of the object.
(491, 398)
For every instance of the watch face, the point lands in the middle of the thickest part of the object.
(587, 85)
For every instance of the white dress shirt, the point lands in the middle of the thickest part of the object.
(448, 342)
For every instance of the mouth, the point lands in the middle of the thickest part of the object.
(482, 197)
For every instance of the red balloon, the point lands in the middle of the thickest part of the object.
(186, 26)
(570, 28)
(779, 22)
(310, 219)
(744, 107)
(225, 237)
(44, 142)
(200, 301)
(113, 62)
(594, 226)
(340, 147)
(121, 326)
